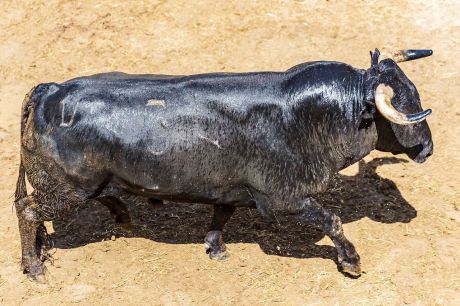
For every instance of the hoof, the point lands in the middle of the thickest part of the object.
(125, 227)
(220, 254)
(36, 272)
(353, 270)
(349, 261)
(39, 278)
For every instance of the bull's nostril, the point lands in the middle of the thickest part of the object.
(428, 148)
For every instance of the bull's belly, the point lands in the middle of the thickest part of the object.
(227, 195)
(194, 186)
(179, 178)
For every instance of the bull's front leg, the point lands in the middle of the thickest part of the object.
(312, 213)
(213, 242)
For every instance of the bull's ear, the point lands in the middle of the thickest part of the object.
(375, 57)
(367, 115)
(368, 110)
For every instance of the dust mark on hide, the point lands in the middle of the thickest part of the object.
(70, 122)
(214, 142)
(155, 102)
(157, 153)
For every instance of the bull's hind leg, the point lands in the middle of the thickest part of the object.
(35, 242)
(214, 243)
(118, 211)
(32, 211)
(311, 212)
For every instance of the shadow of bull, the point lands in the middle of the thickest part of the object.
(350, 197)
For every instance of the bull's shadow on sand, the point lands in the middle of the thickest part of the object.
(351, 197)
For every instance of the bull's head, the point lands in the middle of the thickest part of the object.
(400, 119)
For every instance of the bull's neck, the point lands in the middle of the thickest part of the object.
(330, 126)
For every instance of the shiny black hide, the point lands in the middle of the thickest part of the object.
(219, 138)
(270, 140)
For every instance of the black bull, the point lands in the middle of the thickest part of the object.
(270, 140)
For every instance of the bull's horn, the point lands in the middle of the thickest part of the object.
(383, 95)
(409, 55)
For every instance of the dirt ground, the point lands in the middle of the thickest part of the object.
(403, 217)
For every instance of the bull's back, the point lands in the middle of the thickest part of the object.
(167, 135)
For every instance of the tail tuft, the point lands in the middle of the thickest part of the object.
(21, 189)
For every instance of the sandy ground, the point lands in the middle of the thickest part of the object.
(403, 217)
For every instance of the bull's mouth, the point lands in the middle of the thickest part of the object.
(418, 153)
(420, 159)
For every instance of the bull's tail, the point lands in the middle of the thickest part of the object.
(21, 188)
